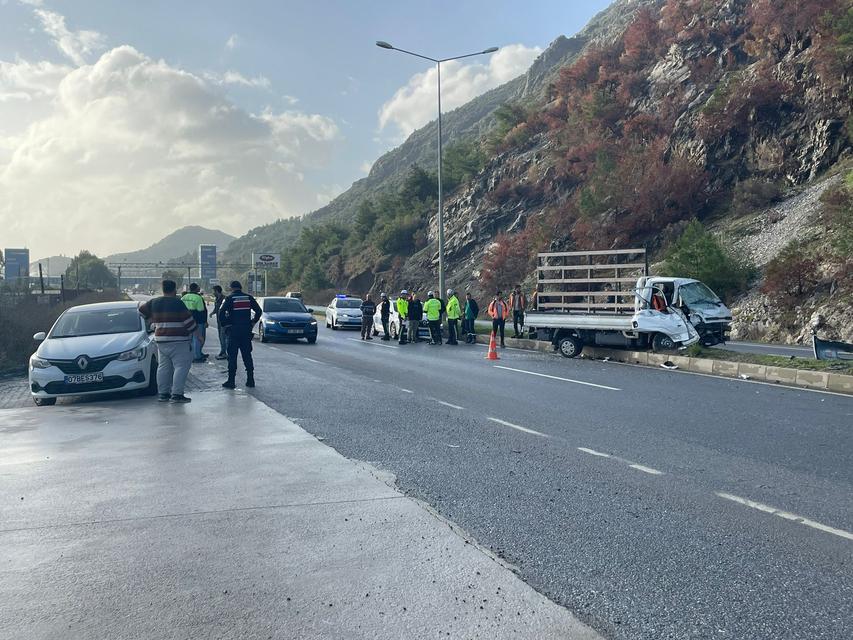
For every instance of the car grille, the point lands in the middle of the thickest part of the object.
(110, 382)
(292, 325)
(95, 364)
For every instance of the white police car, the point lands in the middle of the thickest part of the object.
(394, 323)
(343, 312)
(92, 349)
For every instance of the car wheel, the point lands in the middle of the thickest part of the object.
(44, 402)
(312, 339)
(569, 347)
(334, 325)
(375, 331)
(261, 334)
(151, 389)
(662, 343)
(394, 332)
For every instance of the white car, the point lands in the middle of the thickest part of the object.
(344, 311)
(91, 349)
(394, 323)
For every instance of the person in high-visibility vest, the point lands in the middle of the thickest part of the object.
(195, 303)
(498, 312)
(454, 312)
(403, 313)
(432, 308)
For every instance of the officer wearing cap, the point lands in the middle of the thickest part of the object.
(403, 312)
(238, 315)
(454, 312)
(385, 315)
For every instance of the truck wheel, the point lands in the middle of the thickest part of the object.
(569, 347)
(662, 343)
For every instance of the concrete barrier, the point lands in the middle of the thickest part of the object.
(812, 379)
(839, 383)
(782, 375)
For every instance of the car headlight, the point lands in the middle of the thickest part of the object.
(133, 354)
(39, 363)
(313, 322)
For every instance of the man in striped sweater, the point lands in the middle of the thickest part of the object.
(174, 328)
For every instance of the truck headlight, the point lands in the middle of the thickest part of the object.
(39, 363)
(133, 354)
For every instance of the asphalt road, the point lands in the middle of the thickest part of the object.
(652, 504)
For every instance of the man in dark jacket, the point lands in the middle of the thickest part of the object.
(218, 299)
(368, 308)
(238, 315)
(471, 313)
(385, 315)
(416, 314)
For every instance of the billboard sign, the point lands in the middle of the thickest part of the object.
(266, 260)
(17, 264)
(207, 262)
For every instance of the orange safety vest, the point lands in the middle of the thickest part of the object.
(493, 312)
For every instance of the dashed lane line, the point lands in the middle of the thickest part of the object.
(545, 375)
(311, 360)
(452, 406)
(518, 428)
(374, 344)
(406, 390)
(786, 515)
(631, 464)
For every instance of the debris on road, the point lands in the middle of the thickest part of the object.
(669, 365)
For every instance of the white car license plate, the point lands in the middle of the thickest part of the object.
(294, 330)
(84, 378)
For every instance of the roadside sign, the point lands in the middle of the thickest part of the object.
(17, 264)
(207, 261)
(266, 260)
(214, 281)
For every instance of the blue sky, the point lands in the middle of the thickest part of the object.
(305, 93)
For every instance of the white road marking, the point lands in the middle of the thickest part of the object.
(786, 515)
(594, 452)
(406, 390)
(452, 406)
(373, 343)
(545, 375)
(645, 469)
(517, 427)
(312, 360)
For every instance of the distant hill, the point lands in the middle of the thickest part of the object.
(51, 266)
(178, 243)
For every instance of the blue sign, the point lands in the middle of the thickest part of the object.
(17, 264)
(207, 261)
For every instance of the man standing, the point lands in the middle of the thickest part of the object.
(368, 309)
(453, 314)
(236, 315)
(432, 307)
(498, 312)
(403, 314)
(416, 314)
(218, 299)
(173, 327)
(518, 303)
(385, 315)
(195, 303)
(471, 313)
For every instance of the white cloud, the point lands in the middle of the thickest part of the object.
(366, 166)
(232, 42)
(75, 45)
(237, 78)
(129, 148)
(414, 105)
(291, 100)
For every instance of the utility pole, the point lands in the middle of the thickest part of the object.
(118, 283)
(41, 279)
(62, 287)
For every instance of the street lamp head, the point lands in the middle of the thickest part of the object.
(383, 44)
(490, 50)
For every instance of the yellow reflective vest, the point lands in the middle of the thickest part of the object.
(432, 308)
(403, 307)
(453, 310)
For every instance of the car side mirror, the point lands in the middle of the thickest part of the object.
(38, 337)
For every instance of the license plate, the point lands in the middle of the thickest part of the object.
(294, 330)
(84, 378)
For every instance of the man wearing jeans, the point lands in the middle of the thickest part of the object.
(174, 326)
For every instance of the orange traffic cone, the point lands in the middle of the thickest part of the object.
(493, 349)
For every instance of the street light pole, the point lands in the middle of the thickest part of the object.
(440, 220)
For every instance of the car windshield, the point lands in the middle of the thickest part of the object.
(698, 293)
(97, 322)
(276, 305)
(349, 304)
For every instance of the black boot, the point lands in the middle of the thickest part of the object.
(250, 380)
(229, 383)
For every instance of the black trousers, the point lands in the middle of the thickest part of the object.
(452, 326)
(241, 342)
(435, 331)
(499, 324)
(367, 327)
(518, 320)
(386, 335)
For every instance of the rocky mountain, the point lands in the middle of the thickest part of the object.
(179, 243)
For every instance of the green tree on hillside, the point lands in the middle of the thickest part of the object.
(93, 273)
(698, 254)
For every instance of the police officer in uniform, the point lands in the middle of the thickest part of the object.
(236, 316)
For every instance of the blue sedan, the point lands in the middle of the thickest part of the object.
(286, 319)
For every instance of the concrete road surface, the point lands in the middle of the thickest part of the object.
(652, 504)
